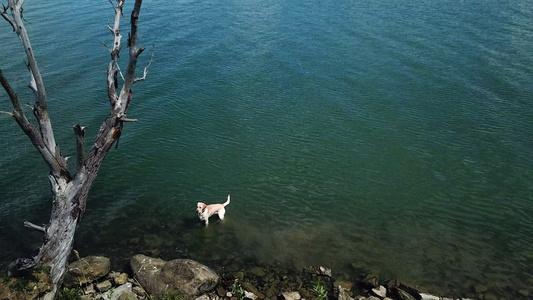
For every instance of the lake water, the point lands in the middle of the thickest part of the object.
(366, 136)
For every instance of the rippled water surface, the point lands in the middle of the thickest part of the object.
(384, 136)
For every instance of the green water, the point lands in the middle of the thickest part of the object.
(395, 137)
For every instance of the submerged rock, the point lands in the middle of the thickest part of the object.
(371, 281)
(252, 289)
(403, 295)
(343, 295)
(158, 277)
(258, 271)
(319, 270)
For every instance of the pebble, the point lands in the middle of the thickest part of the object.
(121, 279)
(291, 296)
(380, 291)
(428, 297)
(104, 286)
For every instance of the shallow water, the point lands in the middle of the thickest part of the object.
(393, 137)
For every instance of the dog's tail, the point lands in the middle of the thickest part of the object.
(227, 202)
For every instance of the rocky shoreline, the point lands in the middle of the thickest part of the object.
(91, 278)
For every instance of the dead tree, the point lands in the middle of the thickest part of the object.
(70, 190)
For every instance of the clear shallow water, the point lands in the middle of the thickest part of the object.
(393, 137)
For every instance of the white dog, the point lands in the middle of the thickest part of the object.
(205, 211)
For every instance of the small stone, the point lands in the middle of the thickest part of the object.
(250, 295)
(121, 279)
(127, 295)
(238, 275)
(115, 293)
(139, 290)
(373, 298)
(324, 271)
(345, 285)
(291, 296)
(343, 295)
(89, 289)
(271, 292)
(203, 297)
(490, 296)
(249, 287)
(221, 291)
(258, 271)
(154, 252)
(403, 295)
(392, 284)
(380, 291)
(428, 297)
(524, 292)
(104, 286)
(371, 280)
(480, 288)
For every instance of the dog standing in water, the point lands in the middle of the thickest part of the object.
(205, 211)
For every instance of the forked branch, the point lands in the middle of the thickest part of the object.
(43, 138)
(119, 102)
(6, 16)
(145, 71)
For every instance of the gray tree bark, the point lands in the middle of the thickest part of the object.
(70, 191)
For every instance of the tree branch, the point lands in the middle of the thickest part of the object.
(145, 72)
(36, 79)
(6, 16)
(44, 140)
(11, 93)
(127, 120)
(129, 80)
(18, 114)
(80, 143)
(33, 226)
(120, 102)
(112, 69)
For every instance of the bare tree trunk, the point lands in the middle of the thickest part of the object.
(70, 192)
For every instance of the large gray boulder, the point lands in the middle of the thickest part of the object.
(87, 270)
(158, 277)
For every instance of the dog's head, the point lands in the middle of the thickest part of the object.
(200, 207)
